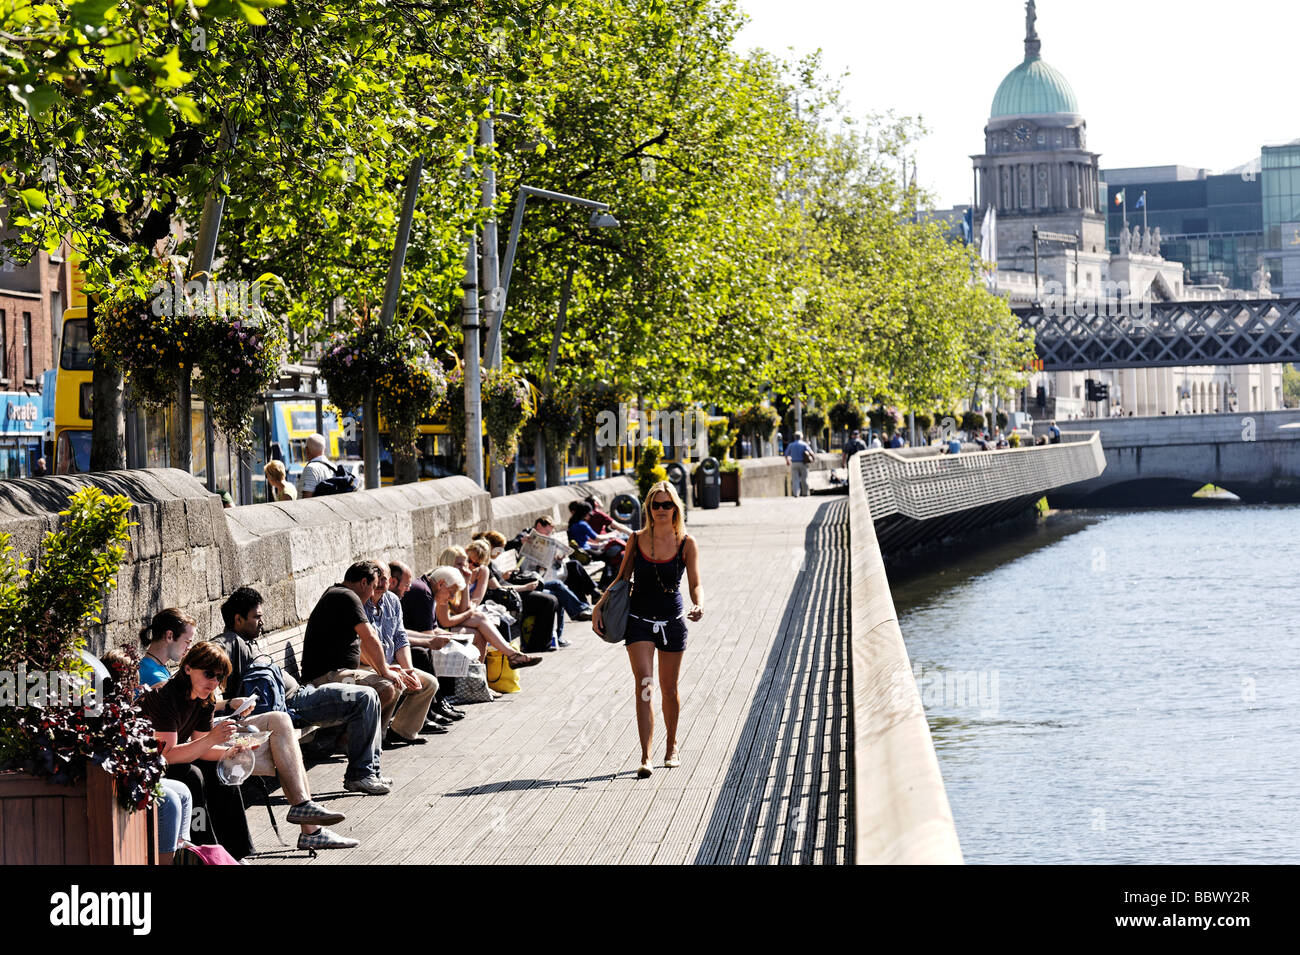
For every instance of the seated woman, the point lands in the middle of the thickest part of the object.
(181, 712)
(449, 594)
(492, 544)
(165, 641)
(609, 547)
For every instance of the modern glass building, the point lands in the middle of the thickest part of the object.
(1280, 194)
(1212, 224)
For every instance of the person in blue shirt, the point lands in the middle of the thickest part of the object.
(165, 641)
(608, 547)
(1054, 433)
(798, 455)
(954, 445)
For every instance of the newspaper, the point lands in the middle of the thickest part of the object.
(542, 554)
(453, 659)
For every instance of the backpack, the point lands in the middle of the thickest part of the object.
(265, 682)
(537, 625)
(808, 456)
(342, 482)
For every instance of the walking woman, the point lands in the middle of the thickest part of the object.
(654, 561)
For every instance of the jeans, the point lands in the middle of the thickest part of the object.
(173, 815)
(353, 704)
(569, 601)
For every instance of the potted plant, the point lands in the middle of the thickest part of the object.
(77, 759)
(729, 472)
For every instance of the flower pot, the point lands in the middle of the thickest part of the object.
(43, 823)
(730, 491)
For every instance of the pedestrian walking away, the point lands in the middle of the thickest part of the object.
(799, 455)
(654, 562)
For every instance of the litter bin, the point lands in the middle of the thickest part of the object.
(710, 484)
(678, 478)
(626, 510)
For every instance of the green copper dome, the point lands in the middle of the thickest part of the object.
(1033, 87)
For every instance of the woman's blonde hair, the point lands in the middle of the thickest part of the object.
(275, 469)
(647, 512)
(450, 576)
(481, 548)
(448, 557)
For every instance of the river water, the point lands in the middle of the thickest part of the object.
(1118, 687)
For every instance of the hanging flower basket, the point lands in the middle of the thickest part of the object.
(507, 407)
(409, 385)
(238, 364)
(153, 351)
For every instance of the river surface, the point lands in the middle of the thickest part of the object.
(1118, 687)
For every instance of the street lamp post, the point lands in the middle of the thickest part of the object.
(600, 219)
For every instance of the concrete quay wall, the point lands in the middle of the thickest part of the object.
(186, 550)
(900, 807)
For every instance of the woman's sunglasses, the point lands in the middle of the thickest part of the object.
(662, 505)
(213, 674)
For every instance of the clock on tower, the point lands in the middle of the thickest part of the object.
(1024, 132)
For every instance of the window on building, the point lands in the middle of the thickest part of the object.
(27, 345)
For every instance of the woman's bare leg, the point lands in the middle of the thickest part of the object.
(670, 664)
(642, 657)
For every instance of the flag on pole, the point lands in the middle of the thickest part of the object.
(968, 225)
(989, 246)
(1142, 201)
(1119, 197)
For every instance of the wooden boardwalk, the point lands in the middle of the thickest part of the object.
(547, 775)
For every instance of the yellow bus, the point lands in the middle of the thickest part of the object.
(72, 384)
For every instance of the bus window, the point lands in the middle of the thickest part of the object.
(73, 452)
(75, 353)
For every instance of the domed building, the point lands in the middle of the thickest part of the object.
(1036, 171)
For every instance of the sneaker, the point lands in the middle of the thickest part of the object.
(584, 614)
(324, 839)
(561, 641)
(371, 786)
(313, 814)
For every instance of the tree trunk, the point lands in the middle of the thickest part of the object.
(405, 467)
(108, 430)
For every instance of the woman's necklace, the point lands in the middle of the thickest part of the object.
(659, 572)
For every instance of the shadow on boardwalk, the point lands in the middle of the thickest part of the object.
(787, 793)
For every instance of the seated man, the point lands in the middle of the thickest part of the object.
(572, 573)
(328, 703)
(339, 638)
(601, 522)
(406, 717)
(423, 635)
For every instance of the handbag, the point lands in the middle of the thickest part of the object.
(501, 676)
(613, 612)
(473, 688)
(202, 855)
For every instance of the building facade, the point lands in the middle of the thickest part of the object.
(1039, 176)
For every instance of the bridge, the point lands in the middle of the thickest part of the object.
(1164, 334)
(1165, 459)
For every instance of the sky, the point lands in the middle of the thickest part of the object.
(1195, 83)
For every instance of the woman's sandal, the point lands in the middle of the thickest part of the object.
(645, 770)
(673, 761)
